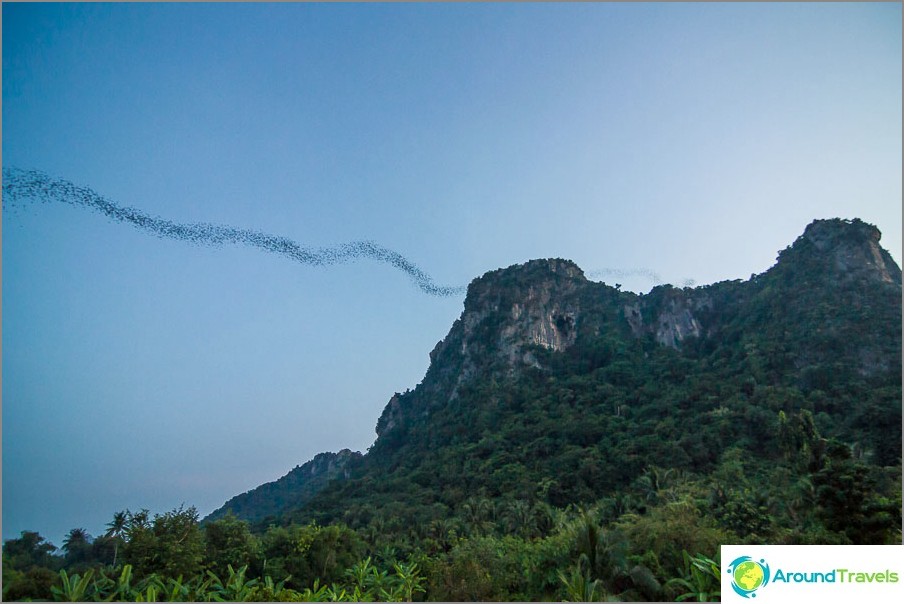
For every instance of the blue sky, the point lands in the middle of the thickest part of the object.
(694, 140)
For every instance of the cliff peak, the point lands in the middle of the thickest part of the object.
(848, 250)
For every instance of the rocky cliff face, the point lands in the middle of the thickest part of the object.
(529, 305)
(511, 315)
(852, 248)
(672, 321)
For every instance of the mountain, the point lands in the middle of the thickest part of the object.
(552, 389)
(290, 492)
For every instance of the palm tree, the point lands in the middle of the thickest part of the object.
(443, 532)
(478, 513)
(653, 481)
(136, 524)
(543, 518)
(600, 552)
(75, 544)
(138, 520)
(116, 529)
(619, 504)
(76, 537)
(587, 541)
(521, 518)
(376, 530)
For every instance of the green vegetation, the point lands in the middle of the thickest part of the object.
(292, 491)
(608, 469)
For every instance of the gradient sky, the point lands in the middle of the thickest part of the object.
(695, 140)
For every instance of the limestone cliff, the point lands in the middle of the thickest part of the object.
(513, 316)
(541, 358)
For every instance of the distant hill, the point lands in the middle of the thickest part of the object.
(552, 389)
(290, 492)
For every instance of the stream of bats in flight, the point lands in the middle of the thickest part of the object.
(20, 186)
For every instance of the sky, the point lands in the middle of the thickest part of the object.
(692, 140)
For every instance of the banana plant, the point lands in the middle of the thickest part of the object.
(317, 594)
(360, 573)
(72, 589)
(409, 579)
(578, 586)
(378, 581)
(150, 589)
(236, 588)
(118, 590)
(275, 588)
(336, 593)
(176, 591)
(700, 581)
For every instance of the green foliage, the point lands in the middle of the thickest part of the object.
(585, 473)
(848, 502)
(72, 589)
(671, 529)
(310, 552)
(700, 579)
(229, 543)
(290, 492)
(28, 550)
(29, 567)
(171, 544)
(32, 584)
(578, 587)
(236, 587)
(409, 580)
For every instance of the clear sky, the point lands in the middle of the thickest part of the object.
(694, 140)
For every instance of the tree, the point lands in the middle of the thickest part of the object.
(521, 518)
(77, 545)
(171, 544)
(848, 504)
(333, 549)
(115, 530)
(478, 514)
(181, 545)
(29, 550)
(34, 584)
(228, 541)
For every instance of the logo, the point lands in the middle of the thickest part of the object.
(748, 575)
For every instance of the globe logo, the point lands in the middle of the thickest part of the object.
(748, 575)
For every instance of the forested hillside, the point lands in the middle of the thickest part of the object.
(571, 441)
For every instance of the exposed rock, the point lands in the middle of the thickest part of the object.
(634, 316)
(527, 305)
(853, 246)
(672, 314)
(675, 324)
(390, 417)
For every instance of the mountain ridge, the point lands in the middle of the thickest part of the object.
(292, 490)
(784, 339)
